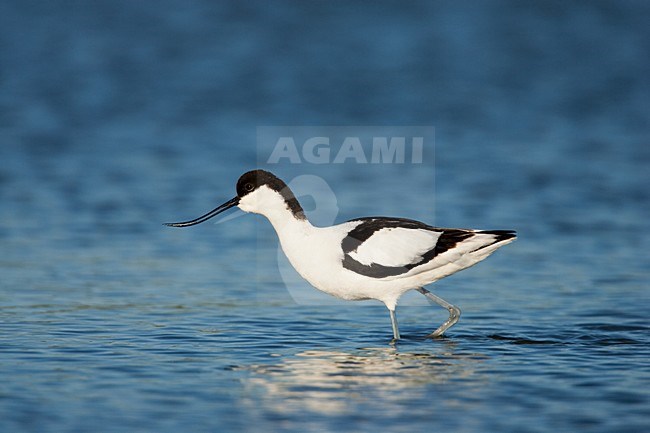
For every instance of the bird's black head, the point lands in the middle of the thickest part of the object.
(252, 180)
(255, 179)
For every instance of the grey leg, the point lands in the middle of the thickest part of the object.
(393, 321)
(454, 312)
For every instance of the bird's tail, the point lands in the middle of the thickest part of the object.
(499, 235)
(495, 239)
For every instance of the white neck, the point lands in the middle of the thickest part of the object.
(271, 204)
(285, 222)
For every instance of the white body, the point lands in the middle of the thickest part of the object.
(317, 255)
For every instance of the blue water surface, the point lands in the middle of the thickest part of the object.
(117, 116)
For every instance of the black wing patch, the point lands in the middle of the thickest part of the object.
(361, 233)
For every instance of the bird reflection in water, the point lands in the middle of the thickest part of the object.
(336, 383)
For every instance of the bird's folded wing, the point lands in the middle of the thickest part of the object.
(381, 247)
(395, 247)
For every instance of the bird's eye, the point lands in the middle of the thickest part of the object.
(249, 187)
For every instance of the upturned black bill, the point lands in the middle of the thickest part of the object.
(214, 212)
